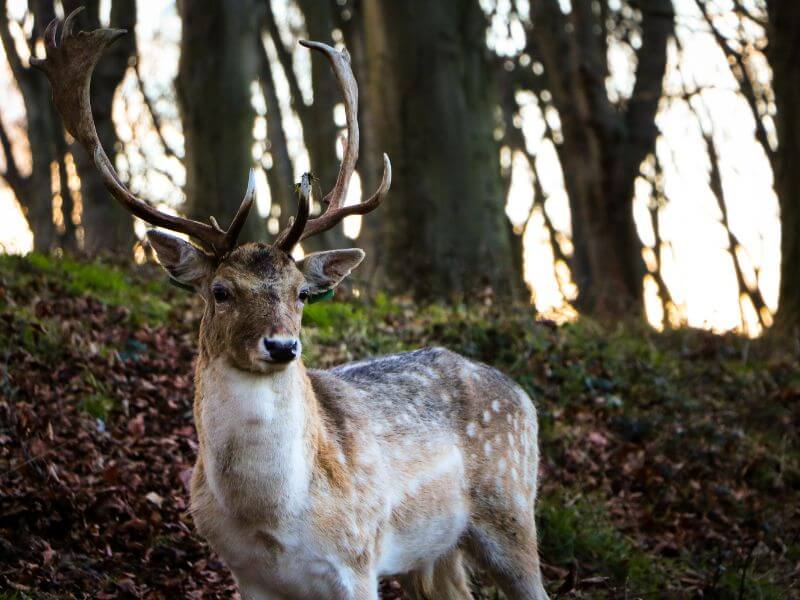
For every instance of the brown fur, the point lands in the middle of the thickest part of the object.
(408, 413)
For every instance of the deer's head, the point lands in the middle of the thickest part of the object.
(254, 296)
(254, 293)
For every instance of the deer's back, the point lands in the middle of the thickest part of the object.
(417, 403)
(432, 387)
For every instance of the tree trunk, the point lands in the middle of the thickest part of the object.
(319, 128)
(106, 227)
(37, 191)
(603, 145)
(370, 162)
(280, 175)
(443, 225)
(784, 48)
(42, 123)
(218, 63)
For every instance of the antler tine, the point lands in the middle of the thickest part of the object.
(331, 217)
(69, 66)
(340, 62)
(288, 238)
(333, 201)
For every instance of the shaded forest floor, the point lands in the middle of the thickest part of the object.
(671, 462)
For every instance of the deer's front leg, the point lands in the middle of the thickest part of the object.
(366, 587)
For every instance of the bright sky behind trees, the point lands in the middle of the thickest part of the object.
(701, 95)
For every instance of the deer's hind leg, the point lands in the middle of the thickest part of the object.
(509, 555)
(444, 579)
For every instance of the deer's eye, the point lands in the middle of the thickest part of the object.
(303, 295)
(221, 293)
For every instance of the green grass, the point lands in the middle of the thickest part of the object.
(99, 402)
(144, 297)
(577, 530)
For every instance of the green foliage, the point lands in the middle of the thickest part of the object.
(99, 402)
(145, 298)
(98, 405)
(329, 314)
(578, 530)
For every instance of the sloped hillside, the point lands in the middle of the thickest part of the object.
(671, 462)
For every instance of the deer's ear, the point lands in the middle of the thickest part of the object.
(324, 270)
(184, 261)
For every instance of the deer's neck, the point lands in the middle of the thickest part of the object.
(255, 438)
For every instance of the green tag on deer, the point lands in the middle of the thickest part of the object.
(326, 295)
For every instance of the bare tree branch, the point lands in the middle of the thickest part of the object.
(11, 174)
(69, 240)
(280, 176)
(715, 182)
(742, 10)
(15, 62)
(739, 69)
(515, 139)
(285, 60)
(154, 116)
(664, 294)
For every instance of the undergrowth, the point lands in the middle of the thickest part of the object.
(670, 462)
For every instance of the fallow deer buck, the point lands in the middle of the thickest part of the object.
(312, 484)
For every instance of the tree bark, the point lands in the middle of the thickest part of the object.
(280, 175)
(603, 146)
(783, 51)
(443, 226)
(34, 192)
(218, 63)
(370, 162)
(319, 127)
(106, 228)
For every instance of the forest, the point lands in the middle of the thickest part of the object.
(595, 197)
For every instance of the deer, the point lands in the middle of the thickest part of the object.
(316, 483)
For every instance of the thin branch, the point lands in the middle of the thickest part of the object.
(641, 129)
(715, 182)
(15, 62)
(154, 116)
(554, 48)
(742, 76)
(285, 60)
(280, 176)
(515, 139)
(68, 237)
(664, 293)
(11, 174)
(734, 242)
(134, 144)
(743, 12)
(540, 197)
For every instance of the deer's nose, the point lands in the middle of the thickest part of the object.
(282, 349)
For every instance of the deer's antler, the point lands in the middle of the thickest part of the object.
(69, 64)
(302, 228)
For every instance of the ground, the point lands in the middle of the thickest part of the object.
(671, 462)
